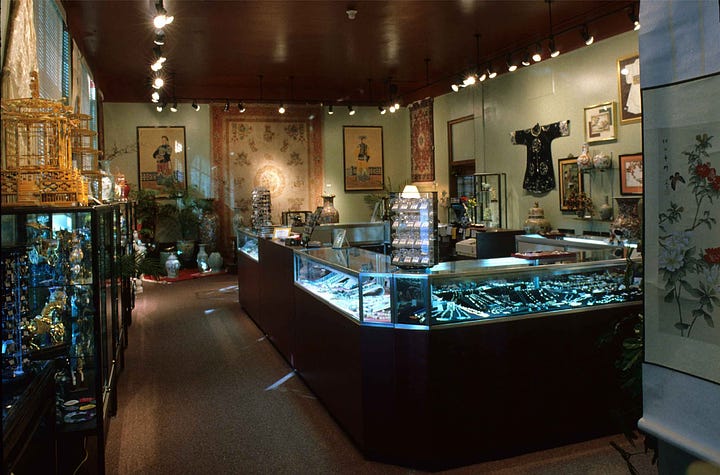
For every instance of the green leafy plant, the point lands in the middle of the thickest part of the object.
(137, 264)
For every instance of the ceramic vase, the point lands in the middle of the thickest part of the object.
(605, 211)
(584, 161)
(602, 161)
(202, 259)
(172, 266)
(186, 249)
(329, 213)
(208, 229)
(215, 261)
(536, 221)
(626, 225)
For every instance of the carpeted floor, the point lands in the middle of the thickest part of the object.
(201, 393)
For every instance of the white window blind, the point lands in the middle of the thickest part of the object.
(49, 31)
(88, 99)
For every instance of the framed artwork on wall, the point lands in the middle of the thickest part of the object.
(570, 180)
(363, 164)
(600, 123)
(161, 158)
(631, 174)
(628, 73)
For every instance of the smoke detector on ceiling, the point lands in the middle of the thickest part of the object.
(351, 13)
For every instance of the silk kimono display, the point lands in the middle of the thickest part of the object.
(539, 172)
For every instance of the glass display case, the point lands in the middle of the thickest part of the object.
(62, 264)
(354, 281)
(490, 191)
(414, 235)
(364, 286)
(247, 243)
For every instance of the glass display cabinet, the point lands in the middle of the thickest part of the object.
(366, 287)
(354, 281)
(414, 235)
(490, 191)
(62, 264)
(247, 243)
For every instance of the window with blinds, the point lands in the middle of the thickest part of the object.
(53, 51)
(88, 100)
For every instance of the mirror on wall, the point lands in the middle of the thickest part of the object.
(461, 153)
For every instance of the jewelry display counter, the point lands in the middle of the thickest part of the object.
(61, 267)
(464, 362)
(248, 271)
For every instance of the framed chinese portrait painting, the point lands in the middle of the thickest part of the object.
(161, 158)
(363, 163)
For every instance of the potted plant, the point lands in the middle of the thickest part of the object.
(146, 211)
(180, 218)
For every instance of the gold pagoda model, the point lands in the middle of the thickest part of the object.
(37, 164)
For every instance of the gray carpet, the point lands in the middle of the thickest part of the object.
(200, 395)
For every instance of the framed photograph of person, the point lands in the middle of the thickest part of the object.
(162, 164)
(363, 163)
(631, 174)
(570, 181)
(628, 73)
(600, 122)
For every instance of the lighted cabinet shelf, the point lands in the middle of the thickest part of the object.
(65, 266)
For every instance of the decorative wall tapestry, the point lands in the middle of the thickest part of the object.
(422, 141)
(682, 242)
(263, 148)
(539, 173)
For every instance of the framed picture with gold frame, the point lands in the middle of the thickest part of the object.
(600, 123)
(363, 158)
(570, 181)
(628, 74)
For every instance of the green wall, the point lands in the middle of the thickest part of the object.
(547, 92)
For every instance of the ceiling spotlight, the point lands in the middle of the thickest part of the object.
(156, 66)
(397, 106)
(634, 18)
(155, 96)
(526, 59)
(159, 38)
(382, 110)
(195, 106)
(281, 109)
(173, 108)
(241, 107)
(351, 111)
(491, 72)
(161, 17)
(511, 65)
(160, 107)
(554, 52)
(483, 76)
(470, 80)
(586, 36)
(330, 110)
(159, 57)
(455, 87)
(351, 13)
(537, 56)
(227, 106)
(158, 82)
(392, 109)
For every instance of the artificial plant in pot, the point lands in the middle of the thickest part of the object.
(180, 218)
(146, 213)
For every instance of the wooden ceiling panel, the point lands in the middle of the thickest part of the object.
(309, 51)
